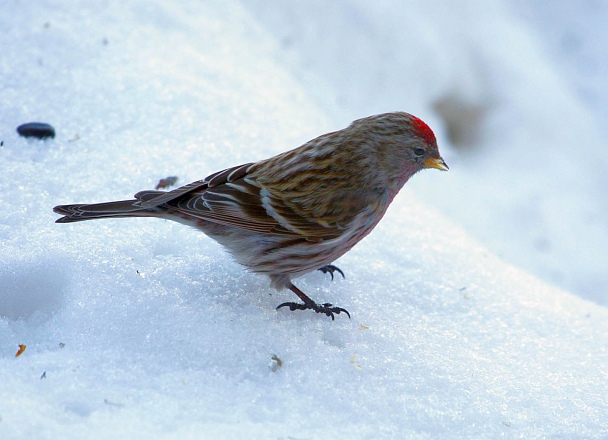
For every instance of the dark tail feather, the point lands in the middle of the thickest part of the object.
(123, 208)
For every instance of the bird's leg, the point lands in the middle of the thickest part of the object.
(330, 268)
(326, 308)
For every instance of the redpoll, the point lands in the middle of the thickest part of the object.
(300, 210)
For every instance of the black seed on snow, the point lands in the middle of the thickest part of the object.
(38, 130)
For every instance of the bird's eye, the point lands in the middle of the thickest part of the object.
(418, 152)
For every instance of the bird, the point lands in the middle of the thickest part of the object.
(300, 210)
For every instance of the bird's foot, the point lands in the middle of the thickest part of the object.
(330, 269)
(327, 308)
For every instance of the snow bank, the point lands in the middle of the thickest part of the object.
(146, 329)
(527, 153)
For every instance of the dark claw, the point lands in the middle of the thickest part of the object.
(327, 308)
(330, 268)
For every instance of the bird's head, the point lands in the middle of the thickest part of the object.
(402, 145)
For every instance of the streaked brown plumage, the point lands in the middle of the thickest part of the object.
(300, 210)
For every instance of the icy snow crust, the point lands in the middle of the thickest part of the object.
(142, 328)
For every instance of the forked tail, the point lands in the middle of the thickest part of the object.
(122, 208)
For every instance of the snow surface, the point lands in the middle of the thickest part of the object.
(528, 154)
(142, 328)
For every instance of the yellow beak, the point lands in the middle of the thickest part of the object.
(433, 162)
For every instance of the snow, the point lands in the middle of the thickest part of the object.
(526, 152)
(470, 302)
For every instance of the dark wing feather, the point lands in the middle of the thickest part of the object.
(200, 185)
(231, 203)
(228, 197)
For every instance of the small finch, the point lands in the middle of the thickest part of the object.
(300, 210)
